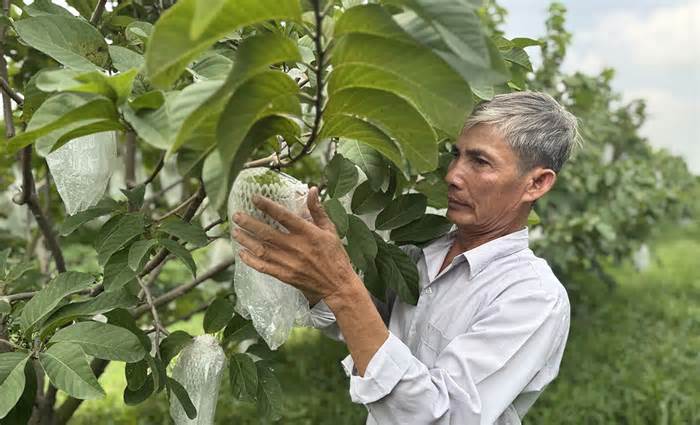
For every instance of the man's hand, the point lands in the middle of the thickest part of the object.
(310, 257)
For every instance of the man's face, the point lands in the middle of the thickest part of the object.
(485, 186)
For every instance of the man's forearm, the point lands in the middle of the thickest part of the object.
(359, 321)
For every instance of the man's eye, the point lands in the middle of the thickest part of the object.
(480, 161)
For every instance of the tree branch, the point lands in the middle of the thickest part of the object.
(318, 69)
(97, 13)
(156, 170)
(13, 94)
(156, 319)
(183, 289)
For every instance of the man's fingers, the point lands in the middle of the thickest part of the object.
(276, 270)
(260, 230)
(318, 214)
(251, 244)
(285, 217)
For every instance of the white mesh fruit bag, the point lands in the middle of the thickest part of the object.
(199, 369)
(274, 306)
(81, 169)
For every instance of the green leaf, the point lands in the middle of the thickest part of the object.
(181, 253)
(393, 116)
(214, 66)
(66, 116)
(238, 330)
(124, 59)
(117, 272)
(150, 100)
(182, 397)
(48, 299)
(204, 14)
(171, 47)
(104, 207)
(12, 380)
(122, 318)
(336, 212)
(435, 188)
(425, 229)
(102, 340)
(255, 54)
(184, 231)
(518, 56)
(138, 253)
(135, 196)
(73, 42)
(69, 370)
(365, 200)
(401, 211)
(269, 394)
(367, 158)
(456, 25)
(403, 67)
(266, 94)
(84, 7)
(218, 314)
(398, 271)
(101, 304)
(20, 414)
(45, 7)
(341, 175)
(138, 396)
(361, 248)
(116, 87)
(136, 374)
(5, 307)
(129, 227)
(244, 376)
(173, 344)
(533, 219)
(479, 67)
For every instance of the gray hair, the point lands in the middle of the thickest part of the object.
(534, 124)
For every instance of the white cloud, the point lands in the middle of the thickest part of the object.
(667, 36)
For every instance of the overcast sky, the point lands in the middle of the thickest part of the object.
(654, 47)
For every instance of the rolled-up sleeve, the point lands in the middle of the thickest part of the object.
(477, 375)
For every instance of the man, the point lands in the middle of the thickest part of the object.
(489, 330)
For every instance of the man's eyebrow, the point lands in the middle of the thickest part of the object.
(477, 152)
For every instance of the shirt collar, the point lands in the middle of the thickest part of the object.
(479, 257)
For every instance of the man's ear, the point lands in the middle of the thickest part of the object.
(539, 181)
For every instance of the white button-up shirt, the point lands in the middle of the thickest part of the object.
(485, 339)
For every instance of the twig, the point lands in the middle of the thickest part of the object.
(183, 289)
(214, 224)
(154, 312)
(177, 209)
(271, 160)
(156, 170)
(97, 13)
(13, 94)
(130, 160)
(161, 192)
(163, 253)
(320, 62)
(29, 198)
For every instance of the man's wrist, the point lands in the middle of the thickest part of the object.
(346, 295)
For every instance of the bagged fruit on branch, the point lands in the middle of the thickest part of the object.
(274, 306)
(199, 369)
(81, 169)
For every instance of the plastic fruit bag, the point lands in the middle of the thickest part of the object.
(81, 169)
(274, 306)
(199, 369)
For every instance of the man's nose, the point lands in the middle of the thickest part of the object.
(454, 177)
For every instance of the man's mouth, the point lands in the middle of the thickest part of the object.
(454, 203)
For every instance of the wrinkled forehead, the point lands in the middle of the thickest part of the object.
(487, 139)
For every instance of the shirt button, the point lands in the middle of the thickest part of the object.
(428, 290)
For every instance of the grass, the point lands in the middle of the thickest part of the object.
(632, 358)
